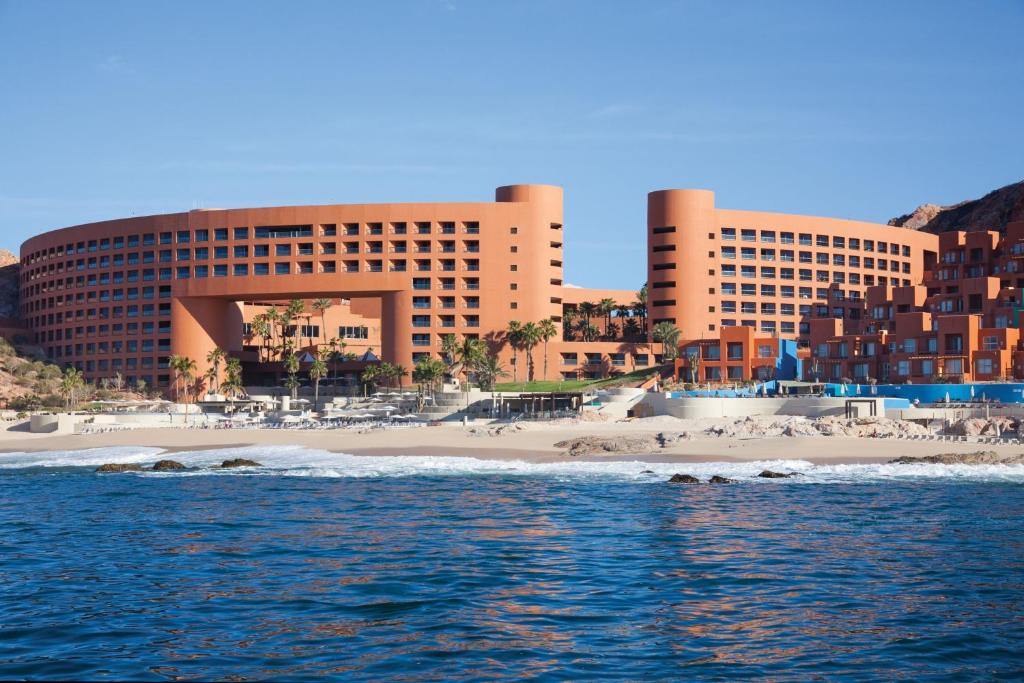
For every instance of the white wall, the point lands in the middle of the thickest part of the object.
(661, 404)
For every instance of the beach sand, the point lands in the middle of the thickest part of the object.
(534, 443)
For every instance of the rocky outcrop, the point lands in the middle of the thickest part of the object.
(609, 445)
(168, 466)
(721, 480)
(769, 474)
(975, 458)
(240, 462)
(9, 271)
(116, 467)
(980, 426)
(683, 479)
(991, 212)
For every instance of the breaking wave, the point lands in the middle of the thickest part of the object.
(298, 461)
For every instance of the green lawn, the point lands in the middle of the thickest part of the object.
(627, 379)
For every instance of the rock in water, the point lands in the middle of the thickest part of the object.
(721, 480)
(240, 462)
(119, 467)
(167, 466)
(683, 479)
(768, 474)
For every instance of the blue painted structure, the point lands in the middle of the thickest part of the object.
(769, 388)
(787, 365)
(1004, 392)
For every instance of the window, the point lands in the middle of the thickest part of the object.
(309, 331)
(282, 268)
(983, 366)
(353, 332)
(734, 351)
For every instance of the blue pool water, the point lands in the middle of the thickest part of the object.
(428, 569)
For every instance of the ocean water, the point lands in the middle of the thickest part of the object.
(325, 566)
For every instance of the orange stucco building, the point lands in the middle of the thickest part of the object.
(710, 268)
(960, 324)
(122, 296)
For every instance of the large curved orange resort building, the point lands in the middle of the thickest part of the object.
(710, 268)
(122, 296)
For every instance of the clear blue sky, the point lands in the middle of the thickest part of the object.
(852, 109)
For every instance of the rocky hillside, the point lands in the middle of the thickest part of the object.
(991, 212)
(8, 284)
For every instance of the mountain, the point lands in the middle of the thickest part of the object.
(9, 269)
(991, 212)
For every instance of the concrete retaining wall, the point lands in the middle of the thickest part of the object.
(662, 404)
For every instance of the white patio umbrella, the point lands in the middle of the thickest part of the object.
(857, 390)
(947, 397)
(972, 391)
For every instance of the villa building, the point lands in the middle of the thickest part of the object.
(961, 323)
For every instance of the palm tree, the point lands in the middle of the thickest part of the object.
(668, 335)
(184, 369)
(214, 358)
(70, 383)
(587, 310)
(531, 336)
(449, 347)
(606, 306)
(292, 311)
(429, 371)
(631, 328)
(568, 315)
(322, 305)
(291, 366)
(587, 331)
(369, 376)
(233, 377)
(489, 371)
(273, 317)
(640, 307)
(470, 353)
(514, 334)
(262, 326)
(399, 372)
(317, 371)
(547, 330)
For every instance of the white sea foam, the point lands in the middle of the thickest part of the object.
(299, 461)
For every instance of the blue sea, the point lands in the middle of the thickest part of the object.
(323, 566)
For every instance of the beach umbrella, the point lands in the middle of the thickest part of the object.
(858, 390)
(972, 391)
(874, 390)
(947, 397)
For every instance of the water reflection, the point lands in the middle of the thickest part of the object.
(447, 577)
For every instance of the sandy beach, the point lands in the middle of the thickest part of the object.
(534, 442)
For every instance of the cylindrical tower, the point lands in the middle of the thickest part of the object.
(680, 232)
